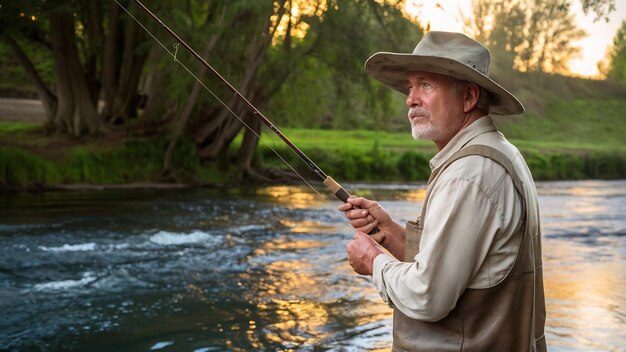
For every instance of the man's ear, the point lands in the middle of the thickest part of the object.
(470, 99)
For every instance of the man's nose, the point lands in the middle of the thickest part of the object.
(413, 99)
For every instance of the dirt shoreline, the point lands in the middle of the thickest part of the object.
(22, 110)
(99, 187)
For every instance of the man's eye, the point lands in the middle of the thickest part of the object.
(425, 85)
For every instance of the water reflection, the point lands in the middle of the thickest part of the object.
(584, 251)
(417, 195)
(293, 196)
(304, 226)
(289, 293)
(585, 296)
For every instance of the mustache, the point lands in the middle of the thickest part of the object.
(416, 111)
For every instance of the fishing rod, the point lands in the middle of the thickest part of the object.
(328, 181)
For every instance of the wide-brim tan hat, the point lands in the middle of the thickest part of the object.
(452, 54)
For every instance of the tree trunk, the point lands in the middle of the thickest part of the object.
(248, 146)
(179, 124)
(129, 88)
(209, 132)
(111, 62)
(222, 135)
(125, 103)
(76, 111)
(155, 99)
(220, 130)
(48, 99)
(181, 119)
(215, 131)
(93, 22)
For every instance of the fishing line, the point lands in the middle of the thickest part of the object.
(174, 55)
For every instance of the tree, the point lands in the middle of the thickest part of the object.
(617, 56)
(251, 44)
(551, 29)
(531, 35)
(271, 45)
(602, 8)
(92, 63)
(329, 88)
(500, 25)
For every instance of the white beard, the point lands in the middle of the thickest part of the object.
(427, 132)
(423, 129)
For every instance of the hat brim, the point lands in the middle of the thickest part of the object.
(391, 69)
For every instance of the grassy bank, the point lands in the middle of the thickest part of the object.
(29, 159)
(392, 157)
(579, 139)
(371, 156)
(566, 139)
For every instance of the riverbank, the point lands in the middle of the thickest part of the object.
(554, 147)
(30, 160)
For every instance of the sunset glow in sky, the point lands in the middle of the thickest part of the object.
(446, 15)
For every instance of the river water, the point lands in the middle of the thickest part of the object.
(263, 270)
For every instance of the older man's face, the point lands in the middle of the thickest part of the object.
(435, 108)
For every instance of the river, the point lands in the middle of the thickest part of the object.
(263, 269)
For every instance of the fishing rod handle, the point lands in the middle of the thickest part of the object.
(342, 194)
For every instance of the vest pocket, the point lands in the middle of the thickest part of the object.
(412, 240)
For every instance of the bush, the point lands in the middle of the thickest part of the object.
(20, 168)
(575, 167)
(605, 165)
(413, 166)
(134, 161)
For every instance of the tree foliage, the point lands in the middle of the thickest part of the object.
(329, 89)
(617, 56)
(601, 8)
(527, 35)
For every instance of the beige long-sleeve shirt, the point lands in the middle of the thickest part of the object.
(468, 238)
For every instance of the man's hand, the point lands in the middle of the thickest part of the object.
(361, 253)
(365, 215)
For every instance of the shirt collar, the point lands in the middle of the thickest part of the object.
(476, 128)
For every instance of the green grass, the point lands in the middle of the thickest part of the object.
(351, 156)
(134, 161)
(12, 127)
(588, 123)
(576, 139)
(358, 141)
(19, 168)
(576, 126)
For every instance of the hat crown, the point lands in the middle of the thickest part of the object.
(455, 46)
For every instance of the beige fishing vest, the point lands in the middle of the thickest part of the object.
(507, 317)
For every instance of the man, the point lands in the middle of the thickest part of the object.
(467, 274)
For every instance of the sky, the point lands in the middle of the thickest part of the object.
(445, 15)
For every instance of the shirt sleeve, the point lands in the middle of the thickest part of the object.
(461, 223)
